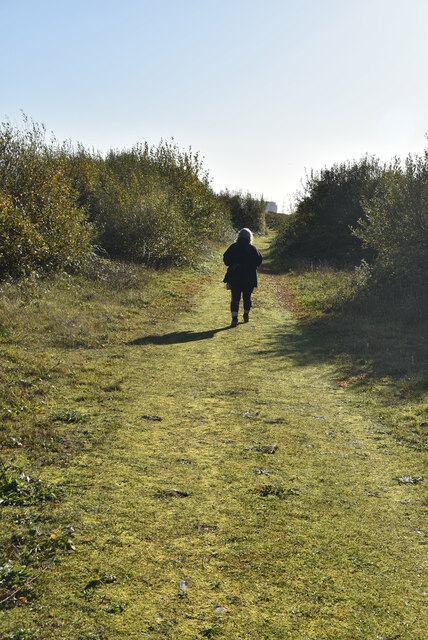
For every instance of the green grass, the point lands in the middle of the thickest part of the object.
(212, 482)
(379, 346)
(62, 345)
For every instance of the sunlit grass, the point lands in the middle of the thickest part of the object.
(218, 483)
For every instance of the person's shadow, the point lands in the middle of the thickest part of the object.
(177, 337)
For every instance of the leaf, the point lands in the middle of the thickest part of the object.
(171, 493)
(266, 448)
(95, 582)
(107, 578)
(410, 479)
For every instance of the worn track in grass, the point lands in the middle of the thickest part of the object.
(243, 495)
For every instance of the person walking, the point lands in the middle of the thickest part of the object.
(242, 259)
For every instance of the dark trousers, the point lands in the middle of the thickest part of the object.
(237, 291)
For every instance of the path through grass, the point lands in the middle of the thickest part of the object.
(241, 494)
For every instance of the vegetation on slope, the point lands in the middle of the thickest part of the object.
(62, 344)
(380, 351)
(41, 221)
(372, 316)
(329, 205)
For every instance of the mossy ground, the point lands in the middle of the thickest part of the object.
(220, 483)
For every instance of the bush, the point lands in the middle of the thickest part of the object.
(149, 204)
(276, 221)
(395, 224)
(320, 228)
(155, 205)
(244, 210)
(368, 213)
(41, 223)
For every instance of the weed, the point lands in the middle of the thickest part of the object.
(24, 633)
(99, 580)
(31, 554)
(12, 575)
(266, 448)
(69, 416)
(16, 488)
(114, 607)
(206, 527)
(274, 490)
(209, 632)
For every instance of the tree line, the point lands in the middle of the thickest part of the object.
(60, 203)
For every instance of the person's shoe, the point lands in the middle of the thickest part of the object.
(246, 317)
(234, 322)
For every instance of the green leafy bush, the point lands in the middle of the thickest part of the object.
(395, 223)
(149, 204)
(320, 228)
(41, 223)
(244, 210)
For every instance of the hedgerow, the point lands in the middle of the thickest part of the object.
(330, 203)
(59, 203)
(149, 204)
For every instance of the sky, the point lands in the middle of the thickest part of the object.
(265, 90)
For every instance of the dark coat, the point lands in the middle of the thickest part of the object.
(242, 258)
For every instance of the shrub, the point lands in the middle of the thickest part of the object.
(276, 220)
(372, 214)
(244, 210)
(149, 204)
(320, 228)
(41, 223)
(395, 223)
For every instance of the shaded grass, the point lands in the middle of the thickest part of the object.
(379, 345)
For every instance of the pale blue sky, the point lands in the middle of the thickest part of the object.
(262, 88)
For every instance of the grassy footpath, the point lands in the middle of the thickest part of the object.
(210, 482)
